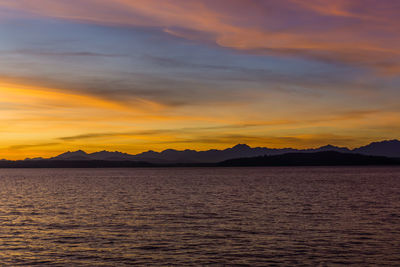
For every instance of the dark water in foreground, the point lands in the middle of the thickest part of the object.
(190, 216)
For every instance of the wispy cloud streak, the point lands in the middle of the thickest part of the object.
(334, 31)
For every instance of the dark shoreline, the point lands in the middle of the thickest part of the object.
(329, 158)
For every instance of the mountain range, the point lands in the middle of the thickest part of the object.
(390, 148)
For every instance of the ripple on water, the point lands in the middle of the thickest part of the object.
(189, 216)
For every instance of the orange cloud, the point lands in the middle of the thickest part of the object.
(37, 121)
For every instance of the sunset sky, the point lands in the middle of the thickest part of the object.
(135, 75)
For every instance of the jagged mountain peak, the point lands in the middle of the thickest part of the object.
(389, 148)
(241, 146)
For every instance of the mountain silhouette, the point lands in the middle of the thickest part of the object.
(390, 148)
(77, 155)
(170, 156)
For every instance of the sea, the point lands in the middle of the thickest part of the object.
(272, 216)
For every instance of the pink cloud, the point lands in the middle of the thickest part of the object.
(360, 32)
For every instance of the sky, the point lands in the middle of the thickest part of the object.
(133, 76)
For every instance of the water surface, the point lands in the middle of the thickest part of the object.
(197, 216)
